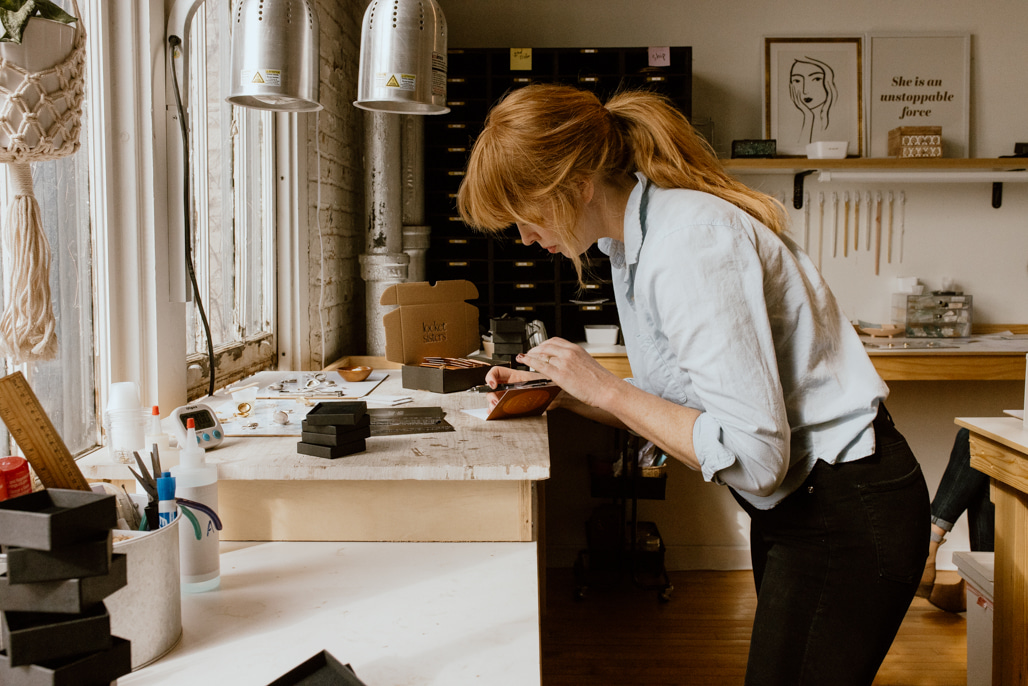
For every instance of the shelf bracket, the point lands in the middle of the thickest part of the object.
(797, 188)
(997, 194)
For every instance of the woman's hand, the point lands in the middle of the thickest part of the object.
(502, 375)
(574, 370)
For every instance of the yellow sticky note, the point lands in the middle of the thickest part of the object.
(521, 59)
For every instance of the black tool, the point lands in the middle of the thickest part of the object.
(486, 388)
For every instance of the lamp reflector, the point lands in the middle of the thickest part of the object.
(403, 58)
(275, 55)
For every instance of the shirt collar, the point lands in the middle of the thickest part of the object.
(627, 252)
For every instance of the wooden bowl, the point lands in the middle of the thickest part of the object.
(354, 374)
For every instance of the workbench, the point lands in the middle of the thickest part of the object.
(477, 483)
(399, 613)
(999, 448)
(976, 358)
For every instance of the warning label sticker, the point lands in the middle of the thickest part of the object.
(404, 82)
(265, 77)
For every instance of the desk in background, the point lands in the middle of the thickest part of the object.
(477, 483)
(999, 448)
(399, 613)
(973, 359)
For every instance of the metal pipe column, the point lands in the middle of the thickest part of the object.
(384, 262)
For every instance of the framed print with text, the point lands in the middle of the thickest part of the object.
(919, 80)
(813, 91)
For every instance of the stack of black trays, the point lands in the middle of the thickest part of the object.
(60, 567)
(335, 429)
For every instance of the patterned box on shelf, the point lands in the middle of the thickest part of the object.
(915, 141)
(939, 316)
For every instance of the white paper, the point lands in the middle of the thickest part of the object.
(480, 413)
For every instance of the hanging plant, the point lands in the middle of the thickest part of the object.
(15, 15)
(41, 94)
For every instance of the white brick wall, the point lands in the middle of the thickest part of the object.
(339, 128)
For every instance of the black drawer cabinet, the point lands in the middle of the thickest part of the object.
(514, 279)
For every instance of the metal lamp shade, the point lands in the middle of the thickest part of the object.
(403, 58)
(275, 55)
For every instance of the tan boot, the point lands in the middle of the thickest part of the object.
(924, 589)
(949, 597)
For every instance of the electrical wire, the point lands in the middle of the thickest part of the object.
(175, 42)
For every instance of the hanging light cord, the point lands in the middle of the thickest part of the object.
(176, 43)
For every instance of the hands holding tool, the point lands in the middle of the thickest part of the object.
(573, 369)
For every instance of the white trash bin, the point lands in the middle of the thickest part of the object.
(976, 569)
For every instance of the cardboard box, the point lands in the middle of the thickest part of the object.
(92, 558)
(915, 141)
(101, 667)
(442, 380)
(70, 596)
(432, 321)
(56, 517)
(39, 637)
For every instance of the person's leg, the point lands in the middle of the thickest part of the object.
(961, 489)
(843, 558)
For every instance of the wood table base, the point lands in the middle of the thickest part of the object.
(377, 510)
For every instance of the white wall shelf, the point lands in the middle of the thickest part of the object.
(996, 171)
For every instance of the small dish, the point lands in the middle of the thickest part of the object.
(827, 150)
(354, 374)
(886, 331)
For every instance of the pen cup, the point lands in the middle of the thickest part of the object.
(148, 611)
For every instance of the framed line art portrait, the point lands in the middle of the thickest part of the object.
(813, 91)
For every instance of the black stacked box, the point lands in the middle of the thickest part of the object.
(55, 626)
(509, 335)
(335, 429)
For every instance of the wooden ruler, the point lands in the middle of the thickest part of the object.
(36, 436)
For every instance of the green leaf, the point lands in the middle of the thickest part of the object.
(48, 10)
(15, 14)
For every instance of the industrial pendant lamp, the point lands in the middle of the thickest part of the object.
(403, 58)
(275, 55)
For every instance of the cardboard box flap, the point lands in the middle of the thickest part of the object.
(424, 293)
(430, 321)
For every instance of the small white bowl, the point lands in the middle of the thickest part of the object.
(601, 334)
(827, 150)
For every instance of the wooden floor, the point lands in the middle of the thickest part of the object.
(623, 635)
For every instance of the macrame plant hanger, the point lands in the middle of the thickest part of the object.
(40, 120)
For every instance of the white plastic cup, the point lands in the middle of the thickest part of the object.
(126, 432)
(124, 395)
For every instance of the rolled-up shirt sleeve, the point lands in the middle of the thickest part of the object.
(705, 285)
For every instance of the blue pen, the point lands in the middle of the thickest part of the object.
(166, 506)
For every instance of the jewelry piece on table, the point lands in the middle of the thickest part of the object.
(244, 409)
(280, 417)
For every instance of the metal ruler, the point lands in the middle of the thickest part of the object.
(36, 436)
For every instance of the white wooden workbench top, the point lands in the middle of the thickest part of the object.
(504, 450)
(399, 613)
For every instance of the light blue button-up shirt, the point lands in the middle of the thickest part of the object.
(722, 315)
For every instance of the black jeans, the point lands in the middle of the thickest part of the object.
(964, 488)
(836, 565)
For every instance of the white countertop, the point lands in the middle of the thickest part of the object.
(506, 450)
(398, 613)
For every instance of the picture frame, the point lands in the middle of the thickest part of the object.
(921, 79)
(813, 91)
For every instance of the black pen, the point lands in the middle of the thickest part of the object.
(486, 388)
